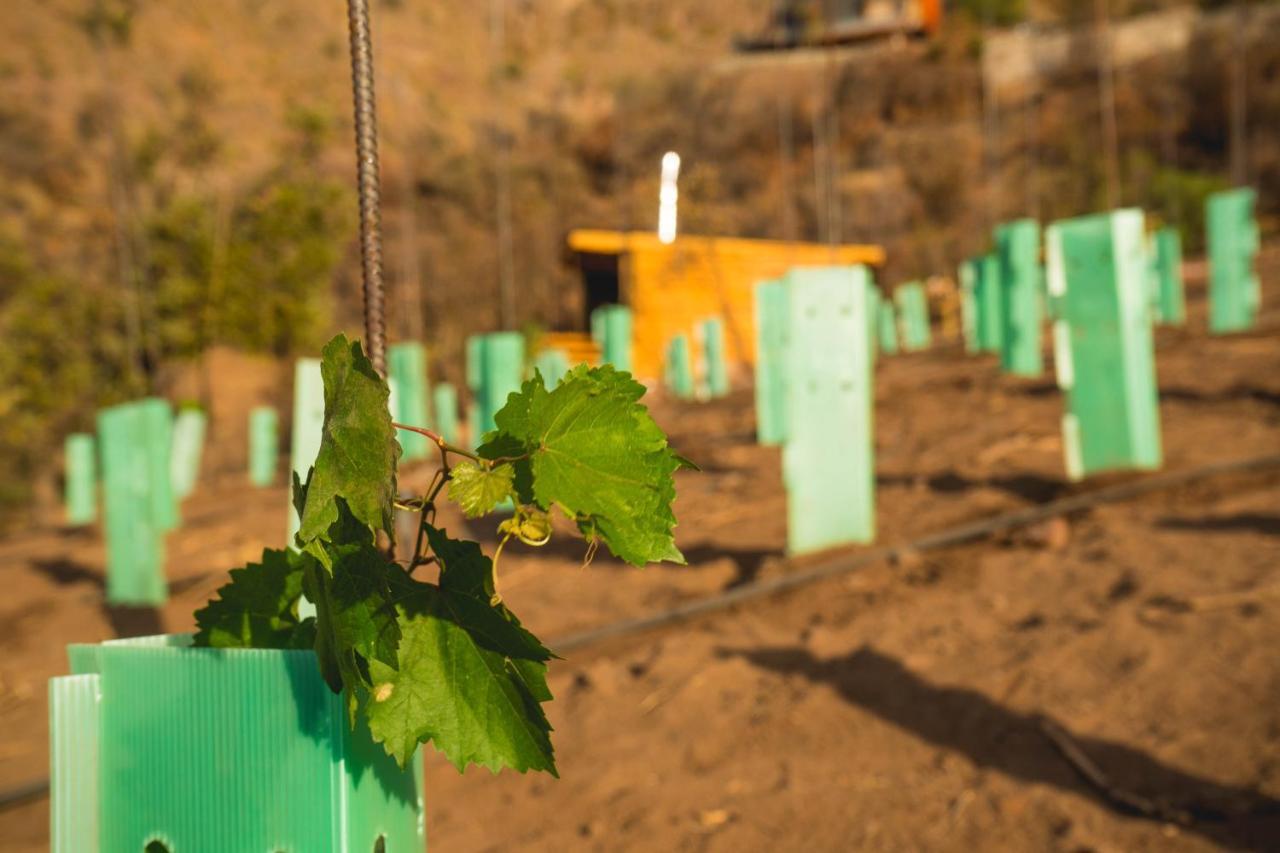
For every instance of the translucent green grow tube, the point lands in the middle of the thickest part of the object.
(679, 367)
(308, 424)
(407, 374)
(1170, 301)
(553, 364)
(913, 316)
(495, 368)
(218, 750)
(887, 327)
(475, 384)
(156, 430)
(990, 304)
(1018, 248)
(770, 366)
(968, 281)
(188, 448)
(830, 487)
(264, 444)
(1232, 233)
(1103, 351)
(873, 319)
(80, 479)
(138, 505)
(611, 328)
(715, 366)
(444, 402)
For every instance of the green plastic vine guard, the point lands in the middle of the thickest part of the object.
(475, 381)
(887, 327)
(188, 447)
(1103, 351)
(444, 403)
(80, 479)
(967, 275)
(1018, 250)
(990, 304)
(138, 505)
(553, 364)
(678, 370)
(157, 420)
(1170, 302)
(264, 445)
(1232, 232)
(1152, 276)
(611, 329)
(407, 375)
(715, 373)
(913, 316)
(495, 369)
(830, 486)
(771, 331)
(217, 750)
(873, 319)
(308, 425)
(596, 321)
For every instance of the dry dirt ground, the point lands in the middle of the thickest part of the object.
(900, 707)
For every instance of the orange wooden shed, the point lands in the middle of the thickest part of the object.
(671, 287)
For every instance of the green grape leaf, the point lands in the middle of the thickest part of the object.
(356, 618)
(478, 489)
(358, 448)
(258, 607)
(298, 491)
(471, 679)
(596, 452)
(686, 463)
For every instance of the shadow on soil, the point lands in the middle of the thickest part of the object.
(1245, 522)
(65, 572)
(747, 561)
(1235, 393)
(127, 621)
(998, 738)
(1028, 487)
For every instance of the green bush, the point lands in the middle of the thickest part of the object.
(1000, 13)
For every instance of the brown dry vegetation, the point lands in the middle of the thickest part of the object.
(161, 121)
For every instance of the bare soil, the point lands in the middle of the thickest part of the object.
(901, 707)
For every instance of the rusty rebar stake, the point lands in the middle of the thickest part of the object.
(366, 121)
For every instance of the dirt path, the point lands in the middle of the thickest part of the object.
(897, 708)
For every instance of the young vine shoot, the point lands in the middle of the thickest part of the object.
(447, 662)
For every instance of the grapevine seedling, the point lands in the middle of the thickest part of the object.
(447, 662)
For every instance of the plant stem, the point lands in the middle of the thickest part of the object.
(439, 441)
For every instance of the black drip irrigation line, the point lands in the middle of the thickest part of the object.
(845, 564)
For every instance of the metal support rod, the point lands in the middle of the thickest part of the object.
(502, 168)
(375, 324)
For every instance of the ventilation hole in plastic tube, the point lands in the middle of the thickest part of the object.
(380, 846)
(155, 846)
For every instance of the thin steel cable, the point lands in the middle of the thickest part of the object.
(375, 322)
